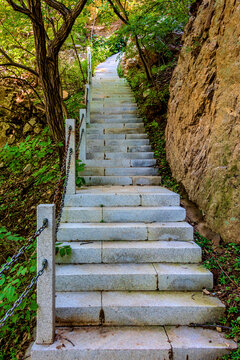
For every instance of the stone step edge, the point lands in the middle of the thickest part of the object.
(114, 252)
(132, 277)
(123, 180)
(121, 199)
(122, 214)
(138, 308)
(122, 343)
(122, 155)
(120, 231)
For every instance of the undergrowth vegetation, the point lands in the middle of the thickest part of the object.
(152, 101)
(224, 263)
(28, 178)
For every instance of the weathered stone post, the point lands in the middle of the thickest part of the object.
(90, 76)
(82, 135)
(89, 56)
(71, 187)
(88, 99)
(46, 282)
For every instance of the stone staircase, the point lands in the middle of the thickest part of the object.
(135, 273)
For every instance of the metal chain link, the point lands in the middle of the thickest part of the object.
(80, 140)
(81, 121)
(41, 229)
(64, 190)
(24, 294)
(63, 168)
(24, 247)
(86, 96)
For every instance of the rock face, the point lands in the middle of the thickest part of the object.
(203, 130)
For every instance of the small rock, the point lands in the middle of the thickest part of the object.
(65, 95)
(11, 139)
(37, 130)
(206, 292)
(32, 121)
(27, 127)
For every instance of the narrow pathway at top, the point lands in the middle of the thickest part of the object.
(116, 134)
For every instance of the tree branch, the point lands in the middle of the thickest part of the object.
(66, 28)
(11, 62)
(117, 12)
(122, 8)
(64, 11)
(23, 9)
(20, 46)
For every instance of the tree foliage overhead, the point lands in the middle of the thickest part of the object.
(47, 24)
(149, 23)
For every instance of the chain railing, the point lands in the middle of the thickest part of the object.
(46, 221)
(63, 168)
(28, 289)
(25, 247)
(64, 190)
(88, 90)
(89, 56)
(48, 227)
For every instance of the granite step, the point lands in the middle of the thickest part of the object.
(116, 148)
(118, 171)
(119, 155)
(177, 231)
(112, 107)
(114, 252)
(110, 119)
(120, 163)
(123, 214)
(123, 196)
(136, 308)
(132, 277)
(116, 136)
(135, 343)
(117, 142)
(119, 126)
(122, 180)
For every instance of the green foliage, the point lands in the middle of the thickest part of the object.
(30, 152)
(153, 22)
(225, 265)
(79, 167)
(74, 103)
(72, 78)
(63, 250)
(120, 70)
(152, 101)
(28, 177)
(12, 284)
(103, 47)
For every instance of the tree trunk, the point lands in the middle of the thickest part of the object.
(51, 84)
(49, 76)
(144, 61)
